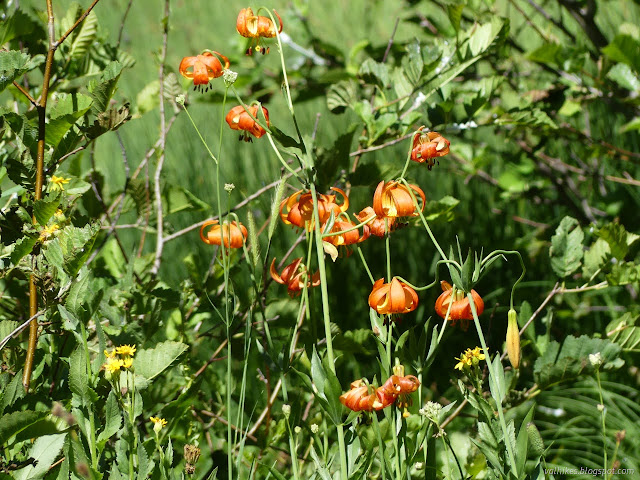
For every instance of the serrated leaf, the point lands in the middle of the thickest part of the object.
(79, 293)
(13, 64)
(78, 375)
(484, 35)
(102, 91)
(618, 238)
(566, 362)
(18, 24)
(44, 209)
(22, 248)
(623, 273)
(84, 35)
(566, 247)
(342, 95)
(15, 422)
(66, 111)
(412, 62)
(44, 451)
(527, 117)
(150, 363)
(71, 248)
(402, 86)
(436, 209)
(374, 72)
(595, 258)
(148, 98)
(454, 12)
(110, 120)
(12, 392)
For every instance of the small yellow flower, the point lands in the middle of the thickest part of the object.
(126, 350)
(110, 354)
(112, 365)
(58, 183)
(126, 363)
(158, 424)
(469, 358)
(48, 231)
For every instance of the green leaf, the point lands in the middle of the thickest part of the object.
(66, 111)
(630, 126)
(13, 64)
(624, 273)
(342, 95)
(13, 423)
(622, 74)
(12, 392)
(412, 62)
(497, 383)
(329, 161)
(595, 258)
(454, 12)
(440, 209)
(84, 35)
(373, 72)
(22, 248)
(566, 247)
(484, 35)
(150, 363)
(547, 54)
(148, 98)
(527, 117)
(618, 238)
(625, 331)
(327, 388)
(79, 376)
(402, 86)
(625, 49)
(179, 199)
(18, 24)
(44, 209)
(145, 464)
(110, 120)
(102, 91)
(71, 248)
(44, 451)
(566, 362)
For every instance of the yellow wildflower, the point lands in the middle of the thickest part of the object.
(158, 424)
(126, 363)
(48, 231)
(126, 350)
(110, 354)
(112, 365)
(469, 358)
(58, 183)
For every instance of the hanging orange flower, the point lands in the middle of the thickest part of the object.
(363, 398)
(346, 237)
(234, 234)
(239, 119)
(460, 306)
(251, 26)
(393, 199)
(203, 68)
(393, 297)
(376, 224)
(427, 146)
(298, 208)
(293, 276)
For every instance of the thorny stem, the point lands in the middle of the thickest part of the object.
(42, 111)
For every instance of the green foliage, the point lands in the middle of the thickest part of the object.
(566, 247)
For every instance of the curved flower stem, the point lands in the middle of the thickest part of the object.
(406, 165)
(327, 319)
(424, 220)
(492, 372)
(200, 135)
(524, 269)
(364, 263)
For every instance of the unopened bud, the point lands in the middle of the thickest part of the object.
(513, 339)
(537, 445)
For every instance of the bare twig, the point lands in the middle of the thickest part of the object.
(157, 185)
(19, 329)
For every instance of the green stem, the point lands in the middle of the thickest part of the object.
(292, 444)
(492, 373)
(603, 416)
(327, 319)
(92, 420)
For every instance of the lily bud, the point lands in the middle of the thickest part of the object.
(513, 339)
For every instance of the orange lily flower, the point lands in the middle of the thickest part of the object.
(358, 397)
(393, 297)
(393, 199)
(234, 234)
(460, 306)
(203, 68)
(239, 119)
(298, 208)
(376, 224)
(346, 238)
(427, 146)
(251, 26)
(293, 276)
